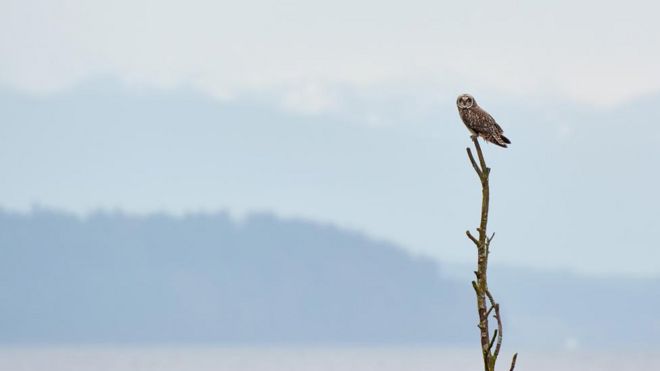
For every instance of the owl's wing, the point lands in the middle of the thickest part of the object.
(486, 121)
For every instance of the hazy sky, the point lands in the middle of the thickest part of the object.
(344, 112)
(595, 52)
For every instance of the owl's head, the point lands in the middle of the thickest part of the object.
(465, 101)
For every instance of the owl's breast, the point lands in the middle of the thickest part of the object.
(465, 115)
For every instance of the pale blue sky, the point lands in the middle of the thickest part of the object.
(344, 112)
(596, 52)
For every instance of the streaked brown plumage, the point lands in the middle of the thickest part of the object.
(479, 122)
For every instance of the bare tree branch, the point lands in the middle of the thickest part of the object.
(492, 341)
(490, 310)
(475, 287)
(491, 238)
(484, 169)
(480, 285)
(471, 237)
(474, 163)
(499, 323)
(513, 362)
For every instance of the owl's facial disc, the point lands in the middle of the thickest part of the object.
(465, 101)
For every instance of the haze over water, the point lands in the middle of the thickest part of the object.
(306, 359)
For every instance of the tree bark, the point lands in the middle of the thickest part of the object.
(480, 285)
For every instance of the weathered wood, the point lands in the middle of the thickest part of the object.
(484, 296)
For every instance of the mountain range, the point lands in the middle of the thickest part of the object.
(118, 278)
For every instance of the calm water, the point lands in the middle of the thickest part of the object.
(304, 359)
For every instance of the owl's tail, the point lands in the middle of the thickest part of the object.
(501, 141)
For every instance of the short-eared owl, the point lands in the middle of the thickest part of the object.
(479, 122)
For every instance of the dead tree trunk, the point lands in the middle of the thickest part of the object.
(486, 304)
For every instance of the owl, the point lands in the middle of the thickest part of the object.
(479, 122)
